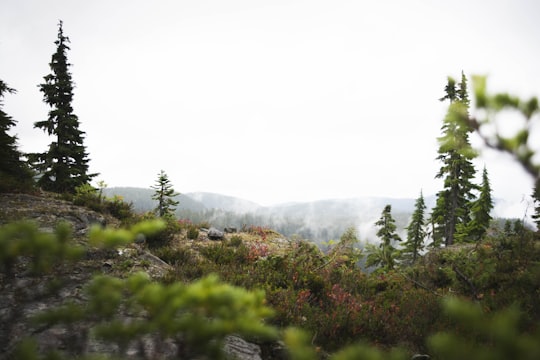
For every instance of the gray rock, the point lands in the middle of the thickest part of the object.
(239, 349)
(215, 234)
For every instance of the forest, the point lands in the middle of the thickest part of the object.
(456, 286)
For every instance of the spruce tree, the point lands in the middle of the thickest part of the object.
(14, 173)
(536, 200)
(164, 195)
(416, 232)
(480, 213)
(385, 255)
(453, 203)
(64, 166)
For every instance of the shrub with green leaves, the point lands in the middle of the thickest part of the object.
(166, 234)
(192, 232)
(88, 196)
(235, 241)
(120, 209)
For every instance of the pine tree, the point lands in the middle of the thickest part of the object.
(64, 166)
(416, 232)
(164, 195)
(14, 173)
(480, 213)
(346, 248)
(536, 199)
(455, 152)
(385, 255)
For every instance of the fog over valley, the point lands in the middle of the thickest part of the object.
(318, 221)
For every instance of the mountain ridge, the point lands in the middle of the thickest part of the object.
(319, 220)
(202, 200)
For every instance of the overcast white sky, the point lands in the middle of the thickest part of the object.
(271, 101)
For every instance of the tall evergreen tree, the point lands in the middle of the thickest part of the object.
(386, 253)
(536, 199)
(164, 195)
(455, 152)
(416, 232)
(64, 166)
(14, 173)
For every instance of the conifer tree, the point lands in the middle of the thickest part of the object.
(536, 199)
(480, 213)
(164, 195)
(385, 255)
(455, 152)
(14, 174)
(64, 166)
(416, 232)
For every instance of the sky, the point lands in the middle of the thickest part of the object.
(271, 101)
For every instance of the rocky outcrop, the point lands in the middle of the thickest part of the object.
(48, 211)
(24, 295)
(240, 349)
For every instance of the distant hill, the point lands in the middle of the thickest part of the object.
(318, 220)
(142, 199)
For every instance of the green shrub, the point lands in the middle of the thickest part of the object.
(235, 241)
(185, 272)
(166, 235)
(192, 232)
(174, 256)
(120, 209)
(86, 195)
(90, 197)
(220, 254)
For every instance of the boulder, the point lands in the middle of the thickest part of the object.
(215, 234)
(239, 349)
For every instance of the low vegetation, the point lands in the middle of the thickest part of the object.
(434, 306)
